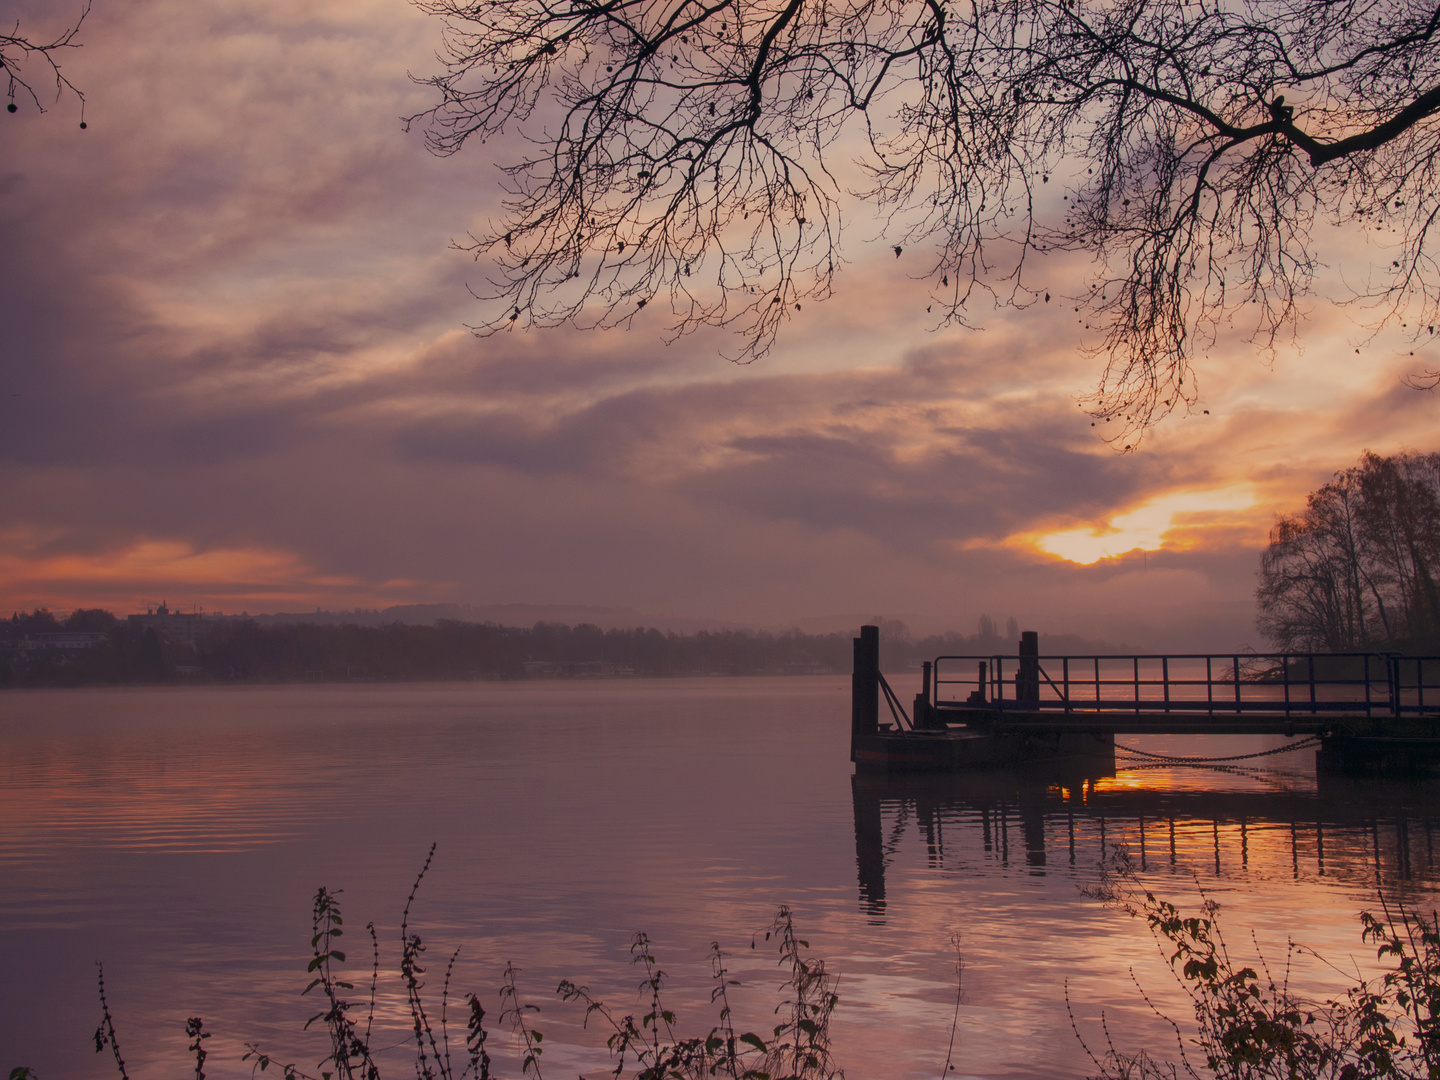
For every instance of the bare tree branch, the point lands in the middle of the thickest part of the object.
(693, 150)
(21, 56)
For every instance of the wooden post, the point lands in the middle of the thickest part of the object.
(865, 686)
(920, 713)
(921, 710)
(1027, 677)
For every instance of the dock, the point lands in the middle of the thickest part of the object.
(1362, 712)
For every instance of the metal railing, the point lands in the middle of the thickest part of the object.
(1288, 684)
(1412, 677)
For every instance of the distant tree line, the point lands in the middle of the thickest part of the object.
(1356, 569)
(241, 650)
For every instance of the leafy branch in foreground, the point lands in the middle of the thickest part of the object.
(1250, 1024)
(799, 1046)
(349, 1050)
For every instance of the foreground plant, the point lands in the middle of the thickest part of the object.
(648, 1049)
(1249, 1023)
(799, 1047)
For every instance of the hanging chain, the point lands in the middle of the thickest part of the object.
(1172, 759)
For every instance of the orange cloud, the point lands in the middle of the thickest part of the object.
(147, 570)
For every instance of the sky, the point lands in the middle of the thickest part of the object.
(235, 374)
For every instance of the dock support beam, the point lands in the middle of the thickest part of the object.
(865, 686)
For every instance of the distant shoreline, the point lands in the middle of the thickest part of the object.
(93, 648)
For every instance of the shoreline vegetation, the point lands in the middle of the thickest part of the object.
(92, 647)
(1248, 1023)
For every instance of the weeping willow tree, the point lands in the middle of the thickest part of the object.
(701, 154)
(1357, 568)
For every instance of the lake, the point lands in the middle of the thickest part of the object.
(178, 836)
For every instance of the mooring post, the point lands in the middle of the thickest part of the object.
(1027, 677)
(921, 711)
(865, 687)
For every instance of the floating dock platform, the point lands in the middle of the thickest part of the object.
(1365, 713)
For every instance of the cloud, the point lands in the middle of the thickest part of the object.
(235, 372)
(146, 570)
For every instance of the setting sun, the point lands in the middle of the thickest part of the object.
(1145, 527)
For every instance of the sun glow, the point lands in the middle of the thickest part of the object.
(1146, 527)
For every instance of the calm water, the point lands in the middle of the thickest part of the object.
(179, 835)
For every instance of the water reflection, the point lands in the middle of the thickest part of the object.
(1351, 830)
(179, 835)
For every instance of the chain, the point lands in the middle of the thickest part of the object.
(1313, 740)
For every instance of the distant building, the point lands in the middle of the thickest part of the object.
(573, 669)
(65, 641)
(177, 625)
(804, 667)
(70, 641)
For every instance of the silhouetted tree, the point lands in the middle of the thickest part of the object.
(22, 56)
(699, 151)
(1400, 528)
(1356, 569)
(90, 620)
(1312, 596)
(39, 621)
(152, 654)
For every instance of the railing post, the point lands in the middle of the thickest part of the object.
(1285, 671)
(1369, 686)
(865, 687)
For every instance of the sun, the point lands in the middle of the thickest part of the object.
(1144, 528)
